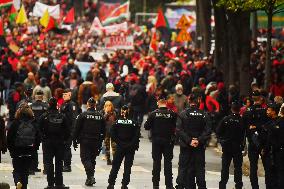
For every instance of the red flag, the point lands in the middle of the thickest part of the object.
(1, 28)
(51, 24)
(161, 20)
(70, 17)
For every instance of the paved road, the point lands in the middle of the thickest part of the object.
(141, 172)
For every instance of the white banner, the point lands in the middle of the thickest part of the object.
(116, 28)
(119, 42)
(40, 8)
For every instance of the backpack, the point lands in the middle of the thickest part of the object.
(87, 93)
(55, 124)
(26, 135)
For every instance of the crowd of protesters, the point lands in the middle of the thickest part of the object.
(130, 77)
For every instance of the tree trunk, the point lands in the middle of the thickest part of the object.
(220, 35)
(198, 25)
(245, 79)
(254, 27)
(267, 80)
(233, 44)
(205, 25)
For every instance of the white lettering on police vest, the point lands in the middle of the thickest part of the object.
(125, 122)
(96, 117)
(163, 115)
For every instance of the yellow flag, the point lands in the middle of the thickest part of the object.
(44, 19)
(22, 16)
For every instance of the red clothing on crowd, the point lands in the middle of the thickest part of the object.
(277, 89)
(14, 62)
(172, 107)
(60, 101)
(212, 104)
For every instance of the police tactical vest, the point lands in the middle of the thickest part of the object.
(164, 122)
(92, 125)
(194, 122)
(55, 124)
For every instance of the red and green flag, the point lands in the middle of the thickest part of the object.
(13, 14)
(51, 24)
(162, 25)
(5, 3)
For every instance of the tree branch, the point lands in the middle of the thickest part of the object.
(278, 11)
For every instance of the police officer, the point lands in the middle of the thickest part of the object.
(193, 128)
(125, 134)
(89, 132)
(70, 109)
(38, 107)
(56, 132)
(231, 134)
(162, 123)
(255, 117)
(274, 147)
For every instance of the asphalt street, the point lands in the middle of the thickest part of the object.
(141, 171)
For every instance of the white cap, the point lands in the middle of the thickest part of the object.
(109, 86)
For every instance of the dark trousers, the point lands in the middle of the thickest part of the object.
(34, 164)
(191, 166)
(67, 155)
(279, 165)
(21, 167)
(54, 149)
(253, 155)
(237, 158)
(158, 150)
(138, 117)
(88, 153)
(128, 162)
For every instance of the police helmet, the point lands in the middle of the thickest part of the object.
(52, 102)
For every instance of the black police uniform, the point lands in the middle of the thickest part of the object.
(192, 123)
(162, 123)
(70, 110)
(89, 132)
(125, 134)
(38, 107)
(55, 132)
(231, 134)
(276, 142)
(257, 138)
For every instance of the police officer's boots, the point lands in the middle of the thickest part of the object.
(90, 181)
(155, 187)
(110, 187)
(124, 187)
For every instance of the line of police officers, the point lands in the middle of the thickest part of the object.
(263, 128)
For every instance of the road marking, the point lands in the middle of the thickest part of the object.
(6, 167)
